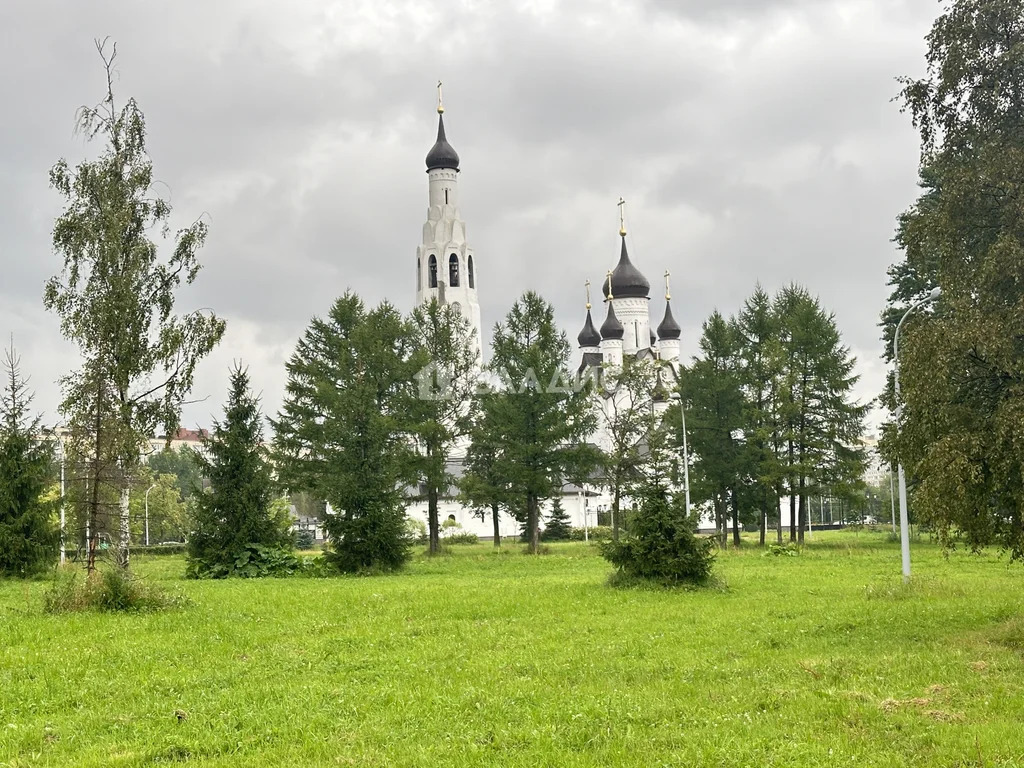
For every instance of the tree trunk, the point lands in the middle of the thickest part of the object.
(720, 519)
(763, 527)
(433, 526)
(495, 515)
(778, 511)
(124, 539)
(735, 520)
(533, 523)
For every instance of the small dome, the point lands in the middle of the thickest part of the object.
(442, 155)
(627, 281)
(612, 328)
(589, 337)
(654, 339)
(669, 328)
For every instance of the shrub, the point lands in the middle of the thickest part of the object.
(663, 546)
(416, 530)
(161, 549)
(373, 542)
(109, 590)
(254, 561)
(304, 539)
(594, 533)
(782, 550)
(461, 537)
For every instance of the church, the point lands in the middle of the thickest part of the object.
(445, 270)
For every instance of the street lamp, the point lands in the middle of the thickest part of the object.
(904, 522)
(147, 511)
(686, 454)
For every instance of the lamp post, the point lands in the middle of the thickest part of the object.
(147, 511)
(904, 521)
(60, 451)
(686, 454)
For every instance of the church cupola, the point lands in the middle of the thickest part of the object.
(669, 330)
(612, 328)
(589, 338)
(627, 281)
(442, 154)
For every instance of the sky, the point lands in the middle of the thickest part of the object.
(753, 140)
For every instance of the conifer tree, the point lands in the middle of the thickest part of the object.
(234, 521)
(344, 433)
(557, 527)
(28, 536)
(481, 486)
(540, 419)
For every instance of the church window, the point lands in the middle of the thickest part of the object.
(453, 271)
(432, 266)
(419, 273)
(446, 197)
(472, 276)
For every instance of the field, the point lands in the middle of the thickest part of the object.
(484, 658)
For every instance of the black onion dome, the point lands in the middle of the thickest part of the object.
(442, 154)
(589, 337)
(627, 281)
(654, 339)
(669, 328)
(612, 328)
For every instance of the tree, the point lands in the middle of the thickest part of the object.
(182, 465)
(711, 393)
(442, 410)
(962, 366)
(28, 537)
(539, 419)
(157, 498)
(662, 546)
(627, 394)
(115, 297)
(482, 486)
(344, 431)
(760, 361)
(558, 527)
(235, 518)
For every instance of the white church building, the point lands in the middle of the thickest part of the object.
(445, 270)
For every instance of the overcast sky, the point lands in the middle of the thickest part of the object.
(754, 140)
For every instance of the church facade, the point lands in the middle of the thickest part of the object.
(446, 270)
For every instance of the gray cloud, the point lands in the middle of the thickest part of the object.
(753, 140)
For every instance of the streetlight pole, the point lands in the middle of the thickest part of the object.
(686, 453)
(147, 511)
(904, 520)
(60, 449)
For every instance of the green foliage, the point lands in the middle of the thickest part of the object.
(162, 549)
(662, 547)
(962, 364)
(28, 536)
(789, 549)
(252, 561)
(461, 537)
(343, 433)
(240, 525)
(180, 463)
(304, 539)
(593, 533)
(111, 590)
(535, 432)
(416, 530)
(557, 527)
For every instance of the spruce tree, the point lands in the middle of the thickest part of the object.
(557, 527)
(234, 523)
(28, 536)
(346, 430)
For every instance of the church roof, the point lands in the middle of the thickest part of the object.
(612, 328)
(589, 337)
(442, 154)
(669, 328)
(627, 280)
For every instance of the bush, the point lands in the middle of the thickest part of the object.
(374, 542)
(416, 530)
(253, 562)
(108, 590)
(595, 533)
(782, 550)
(462, 537)
(663, 546)
(161, 549)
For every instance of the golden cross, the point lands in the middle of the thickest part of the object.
(668, 293)
(622, 216)
(588, 295)
(610, 297)
(440, 106)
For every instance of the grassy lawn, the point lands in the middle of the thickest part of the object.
(501, 659)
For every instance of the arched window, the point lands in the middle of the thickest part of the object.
(472, 276)
(453, 271)
(419, 273)
(432, 266)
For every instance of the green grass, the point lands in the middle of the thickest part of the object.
(501, 659)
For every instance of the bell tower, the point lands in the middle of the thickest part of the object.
(445, 265)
